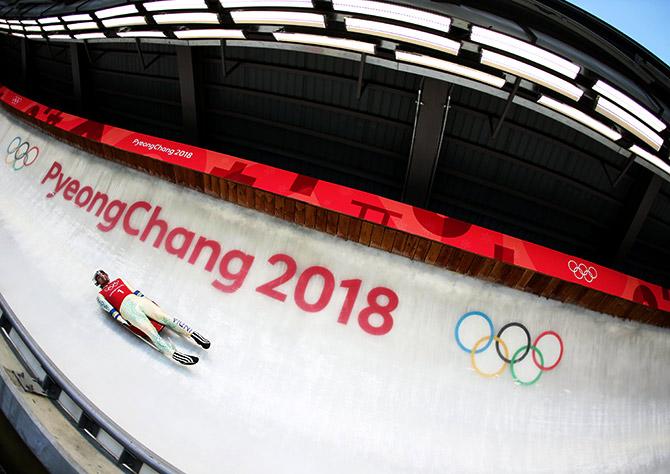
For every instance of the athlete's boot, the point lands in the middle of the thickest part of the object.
(197, 337)
(184, 358)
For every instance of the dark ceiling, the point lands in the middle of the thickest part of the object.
(528, 175)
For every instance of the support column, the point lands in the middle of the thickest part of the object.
(25, 76)
(79, 84)
(639, 203)
(189, 108)
(431, 116)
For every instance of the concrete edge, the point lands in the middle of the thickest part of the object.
(15, 404)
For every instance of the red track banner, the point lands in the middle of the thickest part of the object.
(355, 203)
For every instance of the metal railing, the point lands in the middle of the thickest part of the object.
(127, 452)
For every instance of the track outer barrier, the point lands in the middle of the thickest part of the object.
(127, 452)
(351, 214)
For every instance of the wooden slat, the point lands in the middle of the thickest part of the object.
(616, 306)
(443, 257)
(354, 229)
(433, 253)
(659, 318)
(269, 204)
(511, 275)
(242, 195)
(377, 236)
(343, 227)
(299, 216)
(638, 313)
(232, 191)
(421, 249)
(207, 185)
(289, 210)
(524, 279)
(279, 206)
(259, 203)
(561, 291)
(320, 219)
(496, 271)
(332, 219)
(476, 265)
(454, 260)
(591, 299)
(465, 262)
(576, 294)
(411, 244)
(249, 191)
(366, 233)
(388, 239)
(310, 216)
(549, 291)
(399, 243)
(486, 269)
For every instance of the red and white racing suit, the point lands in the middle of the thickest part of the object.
(117, 297)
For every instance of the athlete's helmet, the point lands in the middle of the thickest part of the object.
(99, 273)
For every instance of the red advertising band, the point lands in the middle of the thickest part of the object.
(354, 203)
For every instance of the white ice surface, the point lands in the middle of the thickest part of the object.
(282, 390)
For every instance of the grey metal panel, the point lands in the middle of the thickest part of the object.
(308, 104)
(648, 260)
(636, 212)
(661, 208)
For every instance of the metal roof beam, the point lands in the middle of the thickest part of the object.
(146, 65)
(360, 84)
(508, 106)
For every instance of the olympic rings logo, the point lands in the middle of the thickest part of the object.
(582, 272)
(20, 154)
(485, 342)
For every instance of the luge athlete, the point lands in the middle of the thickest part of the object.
(131, 308)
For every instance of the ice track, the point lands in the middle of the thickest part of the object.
(289, 389)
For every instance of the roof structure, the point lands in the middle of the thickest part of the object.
(529, 117)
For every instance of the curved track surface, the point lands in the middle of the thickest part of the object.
(285, 386)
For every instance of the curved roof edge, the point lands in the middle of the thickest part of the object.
(607, 31)
(572, 25)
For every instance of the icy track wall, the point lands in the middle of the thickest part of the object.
(327, 356)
